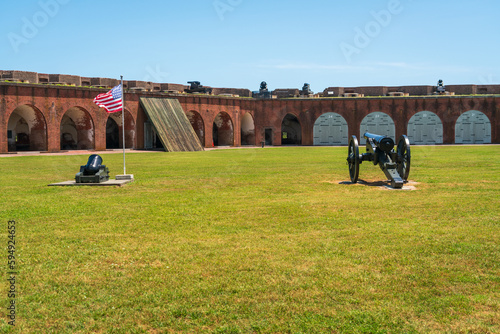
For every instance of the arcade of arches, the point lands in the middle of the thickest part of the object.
(27, 129)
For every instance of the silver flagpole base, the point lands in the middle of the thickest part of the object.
(125, 177)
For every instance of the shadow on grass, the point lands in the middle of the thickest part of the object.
(368, 183)
(381, 184)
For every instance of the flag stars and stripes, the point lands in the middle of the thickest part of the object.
(111, 101)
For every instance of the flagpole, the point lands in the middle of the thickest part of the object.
(123, 124)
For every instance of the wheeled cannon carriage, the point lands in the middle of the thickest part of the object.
(380, 150)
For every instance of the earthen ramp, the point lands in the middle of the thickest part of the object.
(171, 124)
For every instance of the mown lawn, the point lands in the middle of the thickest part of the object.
(255, 241)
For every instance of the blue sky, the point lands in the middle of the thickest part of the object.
(239, 43)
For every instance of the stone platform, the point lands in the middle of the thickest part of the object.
(118, 183)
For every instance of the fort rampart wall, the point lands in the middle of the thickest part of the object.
(42, 110)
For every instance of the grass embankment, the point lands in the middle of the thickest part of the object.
(256, 240)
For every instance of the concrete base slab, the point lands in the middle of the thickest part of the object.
(118, 183)
(407, 186)
(125, 177)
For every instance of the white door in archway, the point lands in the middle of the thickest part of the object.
(330, 129)
(425, 128)
(473, 127)
(377, 123)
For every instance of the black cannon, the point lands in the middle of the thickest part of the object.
(197, 87)
(380, 150)
(263, 87)
(440, 88)
(93, 172)
(306, 90)
(263, 92)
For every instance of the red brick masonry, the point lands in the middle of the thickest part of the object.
(51, 102)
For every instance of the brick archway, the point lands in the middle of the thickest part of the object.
(330, 129)
(425, 128)
(378, 123)
(473, 127)
(26, 129)
(130, 129)
(77, 131)
(223, 130)
(198, 125)
(291, 130)
(247, 130)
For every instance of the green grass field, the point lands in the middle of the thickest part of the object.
(255, 241)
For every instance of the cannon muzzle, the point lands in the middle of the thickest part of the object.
(384, 143)
(93, 172)
(93, 164)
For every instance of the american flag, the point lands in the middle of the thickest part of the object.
(111, 101)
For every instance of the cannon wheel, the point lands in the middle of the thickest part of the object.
(353, 159)
(404, 157)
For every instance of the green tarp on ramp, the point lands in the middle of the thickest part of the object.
(172, 125)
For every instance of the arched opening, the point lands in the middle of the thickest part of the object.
(247, 130)
(151, 139)
(198, 126)
(222, 132)
(26, 130)
(330, 129)
(425, 128)
(473, 127)
(377, 123)
(112, 134)
(291, 131)
(77, 130)
(129, 130)
(115, 132)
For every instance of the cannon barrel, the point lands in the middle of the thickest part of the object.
(93, 172)
(93, 164)
(384, 143)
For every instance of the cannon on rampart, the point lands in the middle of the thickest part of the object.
(380, 150)
(306, 90)
(197, 87)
